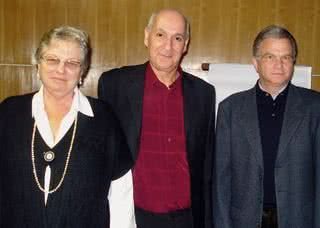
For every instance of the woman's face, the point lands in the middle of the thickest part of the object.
(60, 67)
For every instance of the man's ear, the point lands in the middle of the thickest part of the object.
(38, 69)
(185, 45)
(146, 36)
(255, 63)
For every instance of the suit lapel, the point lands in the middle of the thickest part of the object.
(191, 122)
(135, 99)
(189, 106)
(291, 119)
(249, 120)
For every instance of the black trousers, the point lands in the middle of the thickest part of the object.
(175, 219)
(269, 218)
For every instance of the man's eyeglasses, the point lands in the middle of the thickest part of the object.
(271, 58)
(53, 62)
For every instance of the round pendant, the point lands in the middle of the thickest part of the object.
(48, 156)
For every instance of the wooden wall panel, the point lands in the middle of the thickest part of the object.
(222, 31)
(17, 80)
(316, 82)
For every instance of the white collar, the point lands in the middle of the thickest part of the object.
(80, 103)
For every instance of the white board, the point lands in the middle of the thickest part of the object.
(231, 78)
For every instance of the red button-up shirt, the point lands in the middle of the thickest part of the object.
(161, 175)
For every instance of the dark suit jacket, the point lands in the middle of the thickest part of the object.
(123, 89)
(81, 201)
(238, 176)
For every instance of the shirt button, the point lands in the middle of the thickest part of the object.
(273, 115)
(274, 104)
(169, 139)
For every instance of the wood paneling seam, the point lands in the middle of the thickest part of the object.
(12, 64)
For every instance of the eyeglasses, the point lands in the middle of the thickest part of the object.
(53, 62)
(271, 58)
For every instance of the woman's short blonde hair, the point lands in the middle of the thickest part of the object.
(67, 33)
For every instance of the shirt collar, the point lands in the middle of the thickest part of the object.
(80, 103)
(151, 78)
(281, 91)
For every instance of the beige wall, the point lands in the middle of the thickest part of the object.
(222, 31)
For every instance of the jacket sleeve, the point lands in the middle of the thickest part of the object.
(102, 87)
(118, 144)
(222, 171)
(2, 149)
(208, 165)
(108, 93)
(1, 152)
(316, 152)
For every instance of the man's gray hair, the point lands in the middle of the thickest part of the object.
(277, 32)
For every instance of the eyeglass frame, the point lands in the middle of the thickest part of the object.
(271, 58)
(70, 64)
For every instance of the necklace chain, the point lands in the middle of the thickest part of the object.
(67, 161)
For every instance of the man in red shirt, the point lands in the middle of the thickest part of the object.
(168, 117)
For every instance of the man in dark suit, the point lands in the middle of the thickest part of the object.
(266, 170)
(168, 117)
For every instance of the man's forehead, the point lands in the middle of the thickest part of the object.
(170, 22)
(276, 43)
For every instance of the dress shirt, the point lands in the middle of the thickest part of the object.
(79, 104)
(162, 168)
(270, 114)
(121, 202)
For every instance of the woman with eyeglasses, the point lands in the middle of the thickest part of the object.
(59, 150)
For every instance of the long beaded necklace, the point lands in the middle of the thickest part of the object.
(67, 161)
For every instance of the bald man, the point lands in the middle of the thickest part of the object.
(168, 117)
